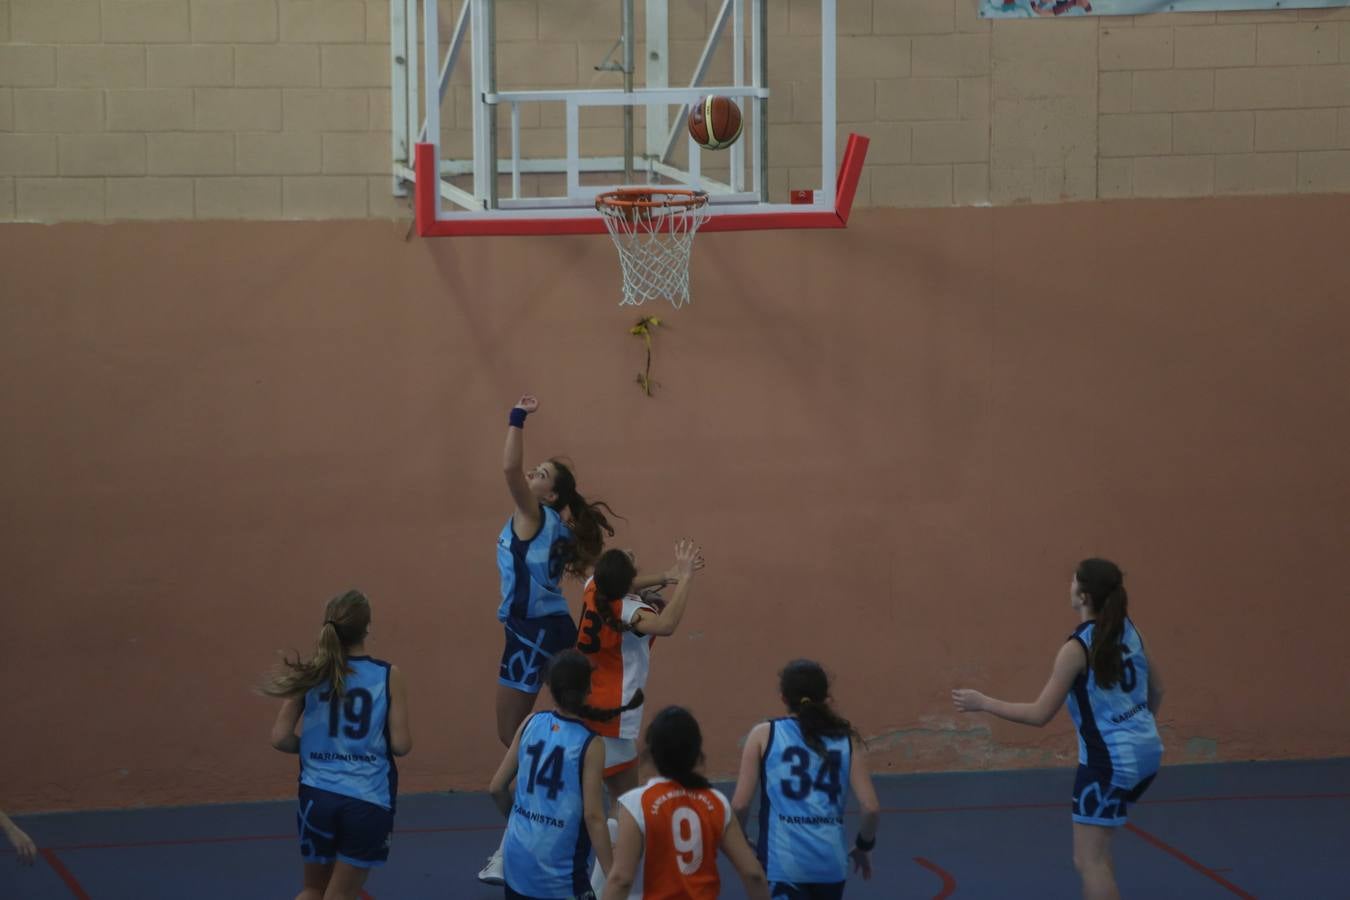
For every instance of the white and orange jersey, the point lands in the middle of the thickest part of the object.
(682, 829)
(621, 660)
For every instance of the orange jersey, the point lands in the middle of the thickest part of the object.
(621, 661)
(681, 831)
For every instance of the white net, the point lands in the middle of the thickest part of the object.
(654, 231)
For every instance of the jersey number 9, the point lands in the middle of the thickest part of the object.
(687, 833)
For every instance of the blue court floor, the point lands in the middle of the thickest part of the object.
(1279, 831)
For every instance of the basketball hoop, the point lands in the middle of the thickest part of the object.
(653, 228)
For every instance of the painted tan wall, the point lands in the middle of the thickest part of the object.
(894, 442)
(220, 109)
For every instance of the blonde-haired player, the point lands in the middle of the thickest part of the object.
(671, 828)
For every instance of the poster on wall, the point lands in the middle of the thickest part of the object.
(1026, 9)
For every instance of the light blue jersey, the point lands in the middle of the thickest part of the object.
(801, 806)
(1116, 730)
(547, 847)
(344, 741)
(531, 569)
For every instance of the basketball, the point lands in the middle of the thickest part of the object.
(715, 122)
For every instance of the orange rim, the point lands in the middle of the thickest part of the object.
(628, 199)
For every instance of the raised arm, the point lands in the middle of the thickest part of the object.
(1070, 662)
(747, 781)
(742, 858)
(671, 576)
(627, 852)
(284, 737)
(500, 786)
(860, 779)
(400, 732)
(667, 620)
(593, 803)
(527, 516)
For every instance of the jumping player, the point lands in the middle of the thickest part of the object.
(535, 548)
(617, 631)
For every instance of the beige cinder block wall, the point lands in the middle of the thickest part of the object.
(179, 109)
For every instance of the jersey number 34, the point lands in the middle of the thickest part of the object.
(801, 783)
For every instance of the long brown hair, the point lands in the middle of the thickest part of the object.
(806, 690)
(675, 745)
(346, 619)
(1104, 584)
(614, 574)
(588, 523)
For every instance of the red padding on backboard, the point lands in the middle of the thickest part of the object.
(846, 187)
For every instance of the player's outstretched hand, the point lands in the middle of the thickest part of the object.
(967, 700)
(673, 573)
(687, 554)
(528, 402)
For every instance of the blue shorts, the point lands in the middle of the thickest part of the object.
(1096, 801)
(333, 827)
(785, 890)
(530, 644)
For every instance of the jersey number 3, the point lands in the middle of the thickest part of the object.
(801, 783)
(590, 632)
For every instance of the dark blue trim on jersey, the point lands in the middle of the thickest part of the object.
(388, 741)
(1098, 756)
(581, 875)
(520, 587)
(762, 839)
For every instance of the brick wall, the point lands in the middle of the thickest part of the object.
(126, 109)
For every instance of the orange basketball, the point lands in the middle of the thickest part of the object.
(715, 122)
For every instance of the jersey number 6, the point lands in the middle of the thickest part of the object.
(1129, 678)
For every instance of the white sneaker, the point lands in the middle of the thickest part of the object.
(493, 873)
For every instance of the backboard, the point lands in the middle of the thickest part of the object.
(534, 109)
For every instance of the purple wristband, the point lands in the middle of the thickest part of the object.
(518, 417)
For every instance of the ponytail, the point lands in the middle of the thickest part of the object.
(614, 575)
(1106, 637)
(1104, 584)
(596, 714)
(675, 745)
(569, 681)
(806, 690)
(588, 522)
(346, 620)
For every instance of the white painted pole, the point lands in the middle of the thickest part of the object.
(658, 75)
(401, 152)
